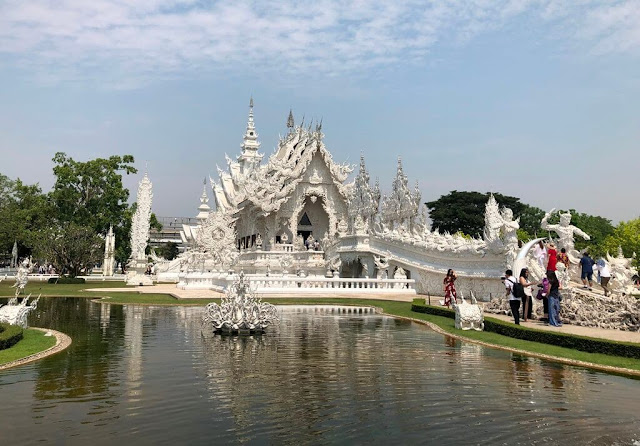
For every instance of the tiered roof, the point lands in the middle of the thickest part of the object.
(268, 187)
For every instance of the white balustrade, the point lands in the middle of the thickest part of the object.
(291, 284)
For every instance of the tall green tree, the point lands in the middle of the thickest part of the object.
(71, 248)
(24, 212)
(91, 194)
(627, 236)
(464, 211)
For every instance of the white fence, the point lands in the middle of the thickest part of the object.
(295, 284)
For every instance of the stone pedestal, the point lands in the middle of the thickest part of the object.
(136, 275)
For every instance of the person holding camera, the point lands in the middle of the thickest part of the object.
(527, 294)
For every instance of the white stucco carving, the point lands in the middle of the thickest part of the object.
(240, 310)
(109, 262)
(566, 233)
(22, 277)
(15, 313)
(302, 192)
(469, 316)
(622, 272)
(140, 234)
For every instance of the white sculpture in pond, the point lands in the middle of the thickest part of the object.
(469, 316)
(15, 313)
(566, 233)
(240, 311)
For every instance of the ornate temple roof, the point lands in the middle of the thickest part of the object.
(267, 187)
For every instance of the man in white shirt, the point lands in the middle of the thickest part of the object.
(514, 302)
(605, 275)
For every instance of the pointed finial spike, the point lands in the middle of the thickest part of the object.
(251, 102)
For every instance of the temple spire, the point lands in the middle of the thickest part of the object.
(250, 145)
(203, 209)
(290, 122)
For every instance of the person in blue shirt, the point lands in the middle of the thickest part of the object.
(587, 263)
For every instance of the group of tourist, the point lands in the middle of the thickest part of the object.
(520, 291)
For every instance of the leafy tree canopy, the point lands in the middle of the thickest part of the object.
(91, 193)
(71, 248)
(24, 212)
(464, 212)
(627, 236)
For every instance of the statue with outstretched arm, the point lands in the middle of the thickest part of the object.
(566, 232)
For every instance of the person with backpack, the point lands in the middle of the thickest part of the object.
(543, 295)
(525, 293)
(514, 302)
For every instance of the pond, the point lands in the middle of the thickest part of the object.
(147, 375)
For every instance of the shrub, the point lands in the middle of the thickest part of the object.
(66, 280)
(9, 335)
(582, 343)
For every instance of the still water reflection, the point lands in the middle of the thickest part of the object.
(147, 375)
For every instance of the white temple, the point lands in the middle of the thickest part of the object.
(296, 221)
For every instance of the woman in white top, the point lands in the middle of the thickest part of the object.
(540, 253)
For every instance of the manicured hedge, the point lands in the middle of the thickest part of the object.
(66, 280)
(582, 343)
(9, 335)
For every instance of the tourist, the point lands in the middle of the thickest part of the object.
(450, 287)
(554, 299)
(527, 299)
(586, 263)
(514, 302)
(540, 253)
(552, 254)
(564, 258)
(543, 295)
(605, 275)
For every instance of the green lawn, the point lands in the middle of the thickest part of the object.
(56, 290)
(34, 341)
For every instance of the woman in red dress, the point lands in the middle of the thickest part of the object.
(449, 287)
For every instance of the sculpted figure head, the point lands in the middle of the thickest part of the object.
(507, 214)
(565, 219)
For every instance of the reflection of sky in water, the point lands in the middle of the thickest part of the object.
(147, 374)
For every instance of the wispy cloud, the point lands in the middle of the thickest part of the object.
(147, 39)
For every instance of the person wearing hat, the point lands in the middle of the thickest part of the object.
(553, 257)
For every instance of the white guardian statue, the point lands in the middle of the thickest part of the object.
(566, 232)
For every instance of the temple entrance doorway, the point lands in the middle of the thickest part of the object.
(313, 219)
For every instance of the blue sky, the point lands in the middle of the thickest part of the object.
(534, 98)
